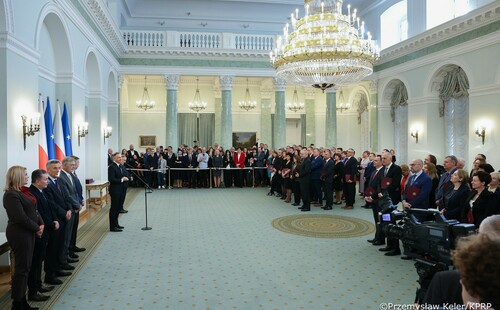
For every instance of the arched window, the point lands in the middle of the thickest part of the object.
(394, 25)
(439, 12)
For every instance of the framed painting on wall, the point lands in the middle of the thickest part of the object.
(244, 139)
(147, 141)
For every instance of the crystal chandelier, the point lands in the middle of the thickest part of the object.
(145, 103)
(197, 105)
(342, 105)
(247, 104)
(325, 48)
(295, 105)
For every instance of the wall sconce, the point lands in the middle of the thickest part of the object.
(107, 133)
(414, 134)
(32, 128)
(481, 132)
(83, 130)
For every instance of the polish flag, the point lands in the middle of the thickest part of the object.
(43, 156)
(58, 133)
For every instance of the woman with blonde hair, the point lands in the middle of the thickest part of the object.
(24, 223)
(453, 202)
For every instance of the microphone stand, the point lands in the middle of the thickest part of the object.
(147, 189)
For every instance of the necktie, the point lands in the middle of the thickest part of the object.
(385, 171)
(413, 177)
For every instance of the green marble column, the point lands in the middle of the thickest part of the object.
(218, 107)
(374, 120)
(265, 118)
(226, 85)
(310, 121)
(331, 118)
(172, 135)
(279, 114)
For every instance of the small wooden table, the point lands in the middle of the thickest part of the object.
(102, 199)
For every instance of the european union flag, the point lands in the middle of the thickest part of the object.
(49, 132)
(66, 132)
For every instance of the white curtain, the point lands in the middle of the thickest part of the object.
(401, 134)
(456, 122)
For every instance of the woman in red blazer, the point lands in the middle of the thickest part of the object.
(239, 162)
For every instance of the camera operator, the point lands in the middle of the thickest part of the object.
(480, 203)
(445, 286)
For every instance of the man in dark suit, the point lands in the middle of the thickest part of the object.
(445, 186)
(192, 162)
(125, 184)
(39, 181)
(391, 183)
(116, 179)
(418, 189)
(350, 170)
(79, 190)
(110, 156)
(56, 201)
(304, 176)
(316, 167)
(72, 200)
(327, 176)
(368, 173)
(371, 194)
(131, 152)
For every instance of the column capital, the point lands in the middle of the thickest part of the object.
(279, 84)
(172, 81)
(372, 87)
(217, 91)
(266, 92)
(121, 80)
(226, 82)
(309, 93)
(331, 90)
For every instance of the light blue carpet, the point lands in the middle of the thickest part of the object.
(217, 249)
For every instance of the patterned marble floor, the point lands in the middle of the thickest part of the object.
(217, 249)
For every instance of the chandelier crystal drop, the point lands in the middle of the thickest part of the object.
(197, 104)
(325, 48)
(295, 105)
(342, 105)
(145, 103)
(247, 104)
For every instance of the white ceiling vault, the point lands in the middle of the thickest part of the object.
(233, 16)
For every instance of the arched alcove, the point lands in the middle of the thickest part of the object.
(450, 84)
(53, 43)
(92, 73)
(396, 94)
(361, 104)
(6, 20)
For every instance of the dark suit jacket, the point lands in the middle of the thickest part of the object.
(305, 171)
(56, 199)
(316, 166)
(393, 189)
(110, 160)
(72, 198)
(375, 182)
(131, 154)
(350, 169)
(125, 173)
(21, 211)
(454, 203)
(47, 214)
(327, 171)
(115, 179)
(423, 184)
(193, 162)
(369, 170)
(445, 185)
(79, 188)
(485, 205)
